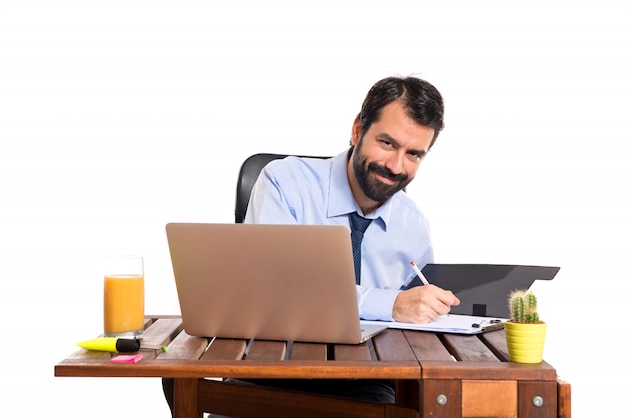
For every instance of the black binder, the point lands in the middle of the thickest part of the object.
(483, 289)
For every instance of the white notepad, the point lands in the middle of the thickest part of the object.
(453, 324)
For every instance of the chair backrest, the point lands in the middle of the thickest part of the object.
(248, 173)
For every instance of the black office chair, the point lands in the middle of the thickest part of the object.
(248, 174)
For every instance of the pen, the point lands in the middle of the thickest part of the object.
(419, 273)
(116, 345)
(421, 276)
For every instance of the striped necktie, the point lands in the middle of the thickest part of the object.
(358, 225)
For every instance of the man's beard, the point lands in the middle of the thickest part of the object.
(372, 187)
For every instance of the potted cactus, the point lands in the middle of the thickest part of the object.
(525, 332)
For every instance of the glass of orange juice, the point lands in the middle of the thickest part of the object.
(123, 297)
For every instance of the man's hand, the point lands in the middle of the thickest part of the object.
(422, 304)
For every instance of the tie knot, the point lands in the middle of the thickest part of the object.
(358, 223)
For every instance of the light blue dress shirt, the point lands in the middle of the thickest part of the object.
(316, 191)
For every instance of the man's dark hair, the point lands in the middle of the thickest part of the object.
(421, 101)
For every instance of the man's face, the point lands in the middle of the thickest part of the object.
(386, 158)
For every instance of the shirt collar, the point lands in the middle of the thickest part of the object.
(342, 203)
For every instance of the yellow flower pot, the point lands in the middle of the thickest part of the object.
(525, 341)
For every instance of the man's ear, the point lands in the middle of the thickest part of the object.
(356, 131)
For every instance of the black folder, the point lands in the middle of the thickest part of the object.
(483, 289)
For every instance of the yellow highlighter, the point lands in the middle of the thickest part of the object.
(116, 345)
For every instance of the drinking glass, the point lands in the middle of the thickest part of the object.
(123, 297)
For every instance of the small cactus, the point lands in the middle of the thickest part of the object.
(523, 307)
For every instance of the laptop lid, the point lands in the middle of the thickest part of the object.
(270, 282)
(483, 289)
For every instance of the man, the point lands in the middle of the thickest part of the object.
(399, 122)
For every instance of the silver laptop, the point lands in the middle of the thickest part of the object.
(267, 282)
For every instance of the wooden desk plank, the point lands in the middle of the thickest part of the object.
(392, 345)
(468, 348)
(564, 394)
(308, 351)
(90, 355)
(240, 369)
(537, 399)
(225, 349)
(496, 341)
(489, 398)
(266, 350)
(427, 346)
(263, 402)
(152, 317)
(162, 331)
(186, 395)
(488, 370)
(359, 352)
(184, 347)
(440, 398)
(306, 369)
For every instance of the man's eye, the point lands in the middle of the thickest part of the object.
(415, 155)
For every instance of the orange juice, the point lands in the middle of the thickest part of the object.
(123, 305)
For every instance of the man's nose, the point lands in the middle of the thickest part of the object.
(394, 163)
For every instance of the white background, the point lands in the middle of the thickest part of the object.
(119, 116)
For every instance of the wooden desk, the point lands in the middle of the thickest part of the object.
(440, 375)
